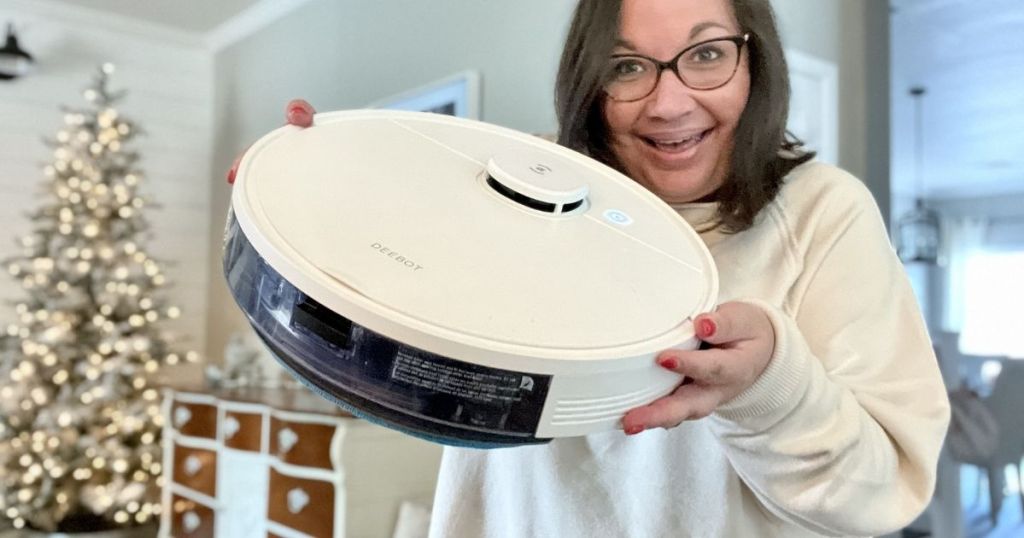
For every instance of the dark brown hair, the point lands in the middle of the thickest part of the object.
(757, 166)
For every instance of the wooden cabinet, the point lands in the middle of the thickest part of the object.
(303, 504)
(302, 443)
(191, 519)
(194, 419)
(284, 463)
(196, 469)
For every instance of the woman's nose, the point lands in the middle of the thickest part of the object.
(670, 98)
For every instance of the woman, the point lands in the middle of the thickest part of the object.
(822, 406)
(817, 408)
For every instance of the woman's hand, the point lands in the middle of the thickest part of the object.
(297, 112)
(742, 342)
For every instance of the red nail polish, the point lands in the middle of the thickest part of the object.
(669, 363)
(707, 328)
(231, 176)
(633, 430)
(300, 115)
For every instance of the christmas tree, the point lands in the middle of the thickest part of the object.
(79, 414)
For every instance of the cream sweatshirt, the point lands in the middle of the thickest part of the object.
(839, 436)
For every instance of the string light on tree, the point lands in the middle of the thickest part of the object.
(79, 420)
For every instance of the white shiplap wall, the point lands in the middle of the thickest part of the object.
(169, 79)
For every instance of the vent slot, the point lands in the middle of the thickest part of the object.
(521, 198)
(316, 318)
(571, 206)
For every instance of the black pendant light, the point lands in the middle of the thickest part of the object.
(917, 231)
(14, 62)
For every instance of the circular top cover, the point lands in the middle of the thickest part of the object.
(472, 239)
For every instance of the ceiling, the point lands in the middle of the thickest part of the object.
(197, 16)
(969, 55)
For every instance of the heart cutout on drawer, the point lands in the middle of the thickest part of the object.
(181, 416)
(231, 427)
(192, 465)
(297, 500)
(286, 439)
(191, 521)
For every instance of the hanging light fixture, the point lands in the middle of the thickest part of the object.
(14, 61)
(918, 230)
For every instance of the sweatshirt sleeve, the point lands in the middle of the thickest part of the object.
(841, 433)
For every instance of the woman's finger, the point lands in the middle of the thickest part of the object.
(688, 402)
(233, 171)
(704, 366)
(299, 112)
(732, 322)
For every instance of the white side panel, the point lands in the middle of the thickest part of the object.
(583, 404)
(242, 487)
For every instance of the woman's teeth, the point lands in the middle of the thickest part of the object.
(677, 145)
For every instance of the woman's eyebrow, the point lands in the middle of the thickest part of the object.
(704, 26)
(700, 27)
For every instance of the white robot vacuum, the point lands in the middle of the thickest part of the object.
(462, 282)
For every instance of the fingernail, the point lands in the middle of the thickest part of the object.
(231, 175)
(668, 363)
(633, 430)
(707, 328)
(300, 115)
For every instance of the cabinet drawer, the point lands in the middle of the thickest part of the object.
(196, 468)
(190, 519)
(243, 431)
(194, 419)
(300, 443)
(302, 504)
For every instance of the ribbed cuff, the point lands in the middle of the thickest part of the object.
(783, 380)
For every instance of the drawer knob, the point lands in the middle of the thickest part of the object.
(286, 439)
(297, 500)
(193, 465)
(181, 416)
(231, 427)
(191, 521)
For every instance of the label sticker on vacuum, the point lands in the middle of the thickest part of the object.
(487, 387)
(472, 395)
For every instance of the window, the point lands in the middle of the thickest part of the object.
(993, 304)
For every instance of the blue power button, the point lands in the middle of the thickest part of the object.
(615, 216)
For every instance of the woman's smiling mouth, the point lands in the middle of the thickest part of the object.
(675, 144)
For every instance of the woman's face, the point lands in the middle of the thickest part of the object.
(677, 142)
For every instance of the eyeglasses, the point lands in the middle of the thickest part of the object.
(702, 66)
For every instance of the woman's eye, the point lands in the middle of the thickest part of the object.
(705, 54)
(628, 68)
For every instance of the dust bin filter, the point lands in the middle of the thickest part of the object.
(458, 281)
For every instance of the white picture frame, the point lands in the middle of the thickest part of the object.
(455, 95)
(814, 104)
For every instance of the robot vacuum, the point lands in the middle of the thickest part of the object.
(458, 281)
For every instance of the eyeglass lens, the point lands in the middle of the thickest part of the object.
(703, 66)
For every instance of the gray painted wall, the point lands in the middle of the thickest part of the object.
(854, 35)
(347, 53)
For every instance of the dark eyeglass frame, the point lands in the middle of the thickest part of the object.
(673, 65)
